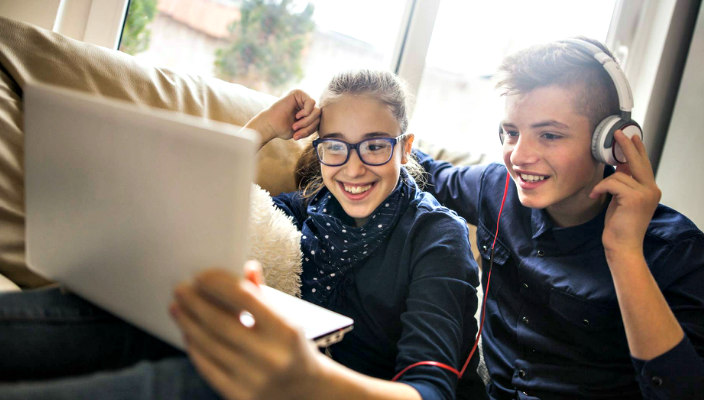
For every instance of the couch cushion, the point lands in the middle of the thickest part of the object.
(28, 53)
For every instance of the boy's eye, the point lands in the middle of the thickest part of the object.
(550, 136)
(510, 135)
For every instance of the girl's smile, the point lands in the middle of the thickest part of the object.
(358, 187)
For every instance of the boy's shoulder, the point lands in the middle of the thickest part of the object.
(671, 226)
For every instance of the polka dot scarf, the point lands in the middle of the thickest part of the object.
(332, 244)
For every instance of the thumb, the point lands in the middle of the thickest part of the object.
(253, 272)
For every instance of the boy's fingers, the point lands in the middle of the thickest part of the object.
(636, 156)
(614, 184)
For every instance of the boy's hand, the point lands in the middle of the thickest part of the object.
(635, 197)
(295, 115)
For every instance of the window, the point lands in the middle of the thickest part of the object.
(455, 106)
(264, 45)
(456, 101)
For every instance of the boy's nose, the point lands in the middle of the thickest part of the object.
(524, 152)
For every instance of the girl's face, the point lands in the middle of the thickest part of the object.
(359, 187)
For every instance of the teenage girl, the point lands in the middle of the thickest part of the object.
(375, 248)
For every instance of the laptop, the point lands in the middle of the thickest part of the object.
(124, 202)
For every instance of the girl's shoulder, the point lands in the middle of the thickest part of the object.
(428, 214)
(292, 204)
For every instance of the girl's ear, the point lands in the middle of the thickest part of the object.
(407, 147)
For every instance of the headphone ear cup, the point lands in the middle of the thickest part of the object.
(604, 147)
(629, 128)
(602, 140)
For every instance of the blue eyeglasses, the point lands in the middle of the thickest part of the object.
(374, 151)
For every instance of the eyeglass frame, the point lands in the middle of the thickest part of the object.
(355, 146)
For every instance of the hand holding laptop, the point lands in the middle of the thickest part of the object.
(124, 202)
(264, 358)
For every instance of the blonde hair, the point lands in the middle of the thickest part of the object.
(383, 86)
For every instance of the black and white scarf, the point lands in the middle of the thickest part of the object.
(332, 244)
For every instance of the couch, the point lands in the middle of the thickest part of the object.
(28, 53)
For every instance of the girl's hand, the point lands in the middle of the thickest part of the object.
(264, 360)
(635, 197)
(295, 115)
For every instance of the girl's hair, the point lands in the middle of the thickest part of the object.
(383, 86)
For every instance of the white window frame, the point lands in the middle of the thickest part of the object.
(636, 34)
(94, 21)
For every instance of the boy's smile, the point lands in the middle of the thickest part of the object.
(547, 150)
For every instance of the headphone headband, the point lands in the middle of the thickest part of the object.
(623, 89)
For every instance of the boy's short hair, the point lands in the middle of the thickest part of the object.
(565, 64)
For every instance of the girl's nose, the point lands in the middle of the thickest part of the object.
(354, 166)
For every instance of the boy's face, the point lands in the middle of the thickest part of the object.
(547, 152)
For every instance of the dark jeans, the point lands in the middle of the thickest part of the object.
(55, 345)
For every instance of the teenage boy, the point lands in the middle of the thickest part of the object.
(597, 291)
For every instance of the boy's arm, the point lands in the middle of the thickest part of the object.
(457, 188)
(651, 327)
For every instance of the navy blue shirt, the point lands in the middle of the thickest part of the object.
(553, 325)
(413, 299)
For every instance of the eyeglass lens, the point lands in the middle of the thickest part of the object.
(371, 151)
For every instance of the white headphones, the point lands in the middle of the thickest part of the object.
(603, 147)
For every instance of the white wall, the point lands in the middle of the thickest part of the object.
(93, 21)
(37, 12)
(681, 171)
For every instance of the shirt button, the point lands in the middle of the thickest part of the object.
(525, 285)
(485, 248)
(541, 253)
(521, 373)
(585, 322)
(657, 381)
(526, 320)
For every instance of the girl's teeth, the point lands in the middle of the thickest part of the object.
(357, 189)
(532, 178)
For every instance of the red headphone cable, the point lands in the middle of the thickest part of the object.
(486, 293)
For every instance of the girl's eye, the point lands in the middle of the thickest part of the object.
(336, 147)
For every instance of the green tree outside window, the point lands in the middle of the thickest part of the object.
(136, 33)
(267, 45)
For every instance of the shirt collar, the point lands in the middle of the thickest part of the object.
(570, 238)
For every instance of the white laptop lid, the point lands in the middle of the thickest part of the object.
(124, 202)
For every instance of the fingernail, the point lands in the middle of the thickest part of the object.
(174, 311)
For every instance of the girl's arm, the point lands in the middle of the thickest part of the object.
(292, 116)
(269, 359)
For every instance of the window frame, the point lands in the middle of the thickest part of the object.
(636, 37)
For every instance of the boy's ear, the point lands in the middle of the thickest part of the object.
(407, 147)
